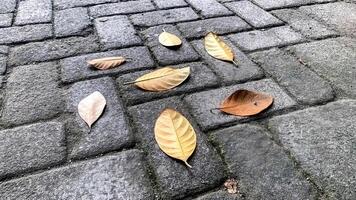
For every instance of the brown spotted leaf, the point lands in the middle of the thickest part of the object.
(107, 63)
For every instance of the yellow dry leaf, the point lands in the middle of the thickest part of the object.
(107, 63)
(91, 107)
(169, 39)
(175, 135)
(217, 48)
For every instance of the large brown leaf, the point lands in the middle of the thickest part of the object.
(217, 48)
(91, 107)
(106, 63)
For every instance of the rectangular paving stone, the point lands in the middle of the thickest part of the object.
(304, 23)
(7, 6)
(209, 8)
(221, 25)
(110, 132)
(164, 55)
(322, 140)
(76, 68)
(201, 103)
(116, 31)
(69, 22)
(163, 17)
(274, 4)
(32, 94)
(201, 77)
(5, 19)
(299, 80)
(261, 39)
(118, 176)
(4, 49)
(52, 49)
(3, 60)
(63, 4)
(169, 4)
(227, 71)
(121, 8)
(31, 147)
(25, 33)
(174, 178)
(332, 59)
(262, 168)
(34, 11)
(253, 14)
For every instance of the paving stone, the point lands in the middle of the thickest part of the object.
(209, 8)
(260, 39)
(5, 19)
(298, 79)
(336, 14)
(31, 147)
(69, 22)
(174, 178)
(34, 11)
(32, 94)
(263, 169)
(110, 132)
(4, 49)
(76, 68)
(322, 140)
(118, 176)
(304, 23)
(121, 8)
(116, 31)
(164, 55)
(249, 12)
(201, 103)
(163, 16)
(201, 77)
(169, 4)
(52, 49)
(63, 4)
(219, 195)
(228, 72)
(220, 25)
(7, 6)
(332, 59)
(25, 33)
(3, 60)
(274, 4)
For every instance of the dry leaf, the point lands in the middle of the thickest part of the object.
(231, 186)
(175, 135)
(91, 107)
(107, 63)
(162, 79)
(217, 48)
(246, 103)
(169, 39)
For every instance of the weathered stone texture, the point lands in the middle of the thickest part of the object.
(34, 11)
(63, 4)
(209, 8)
(25, 33)
(169, 4)
(7, 6)
(6, 19)
(70, 22)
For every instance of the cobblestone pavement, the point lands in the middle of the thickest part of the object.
(303, 52)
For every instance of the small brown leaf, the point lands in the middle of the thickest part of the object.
(91, 107)
(107, 63)
(169, 39)
(246, 103)
(231, 186)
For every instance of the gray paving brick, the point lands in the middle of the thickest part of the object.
(63, 4)
(32, 93)
(263, 169)
(249, 12)
(76, 68)
(3, 65)
(25, 33)
(52, 49)
(31, 147)
(164, 16)
(201, 103)
(304, 23)
(221, 194)
(322, 140)
(169, 4)
(201, 77)
(174, 178)
(5, 19)
(118, 176)
(34, 11)
(4, 49)
(7, 6)
(221, 25)
(69, 22)
(298, 79)
(164, 55)
(209, 8)
(227, 71)
(110, 132)
(274, 4)
(260, 39)
(116, 31)
(121, 8)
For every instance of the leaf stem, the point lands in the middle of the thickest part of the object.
(235, 63)
(186, 163)
(164, 30)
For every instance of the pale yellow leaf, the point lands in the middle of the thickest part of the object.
(175, 135)
(169, 39)
(91, 107)
(217, 48)
(107, 63)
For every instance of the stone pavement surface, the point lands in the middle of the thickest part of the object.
(303, 52)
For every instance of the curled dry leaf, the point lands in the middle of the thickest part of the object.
(231, 186)
(107, 63)
(175, 135)
(217, 48)
(246, 103)
(169, 39)
(91, 107)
